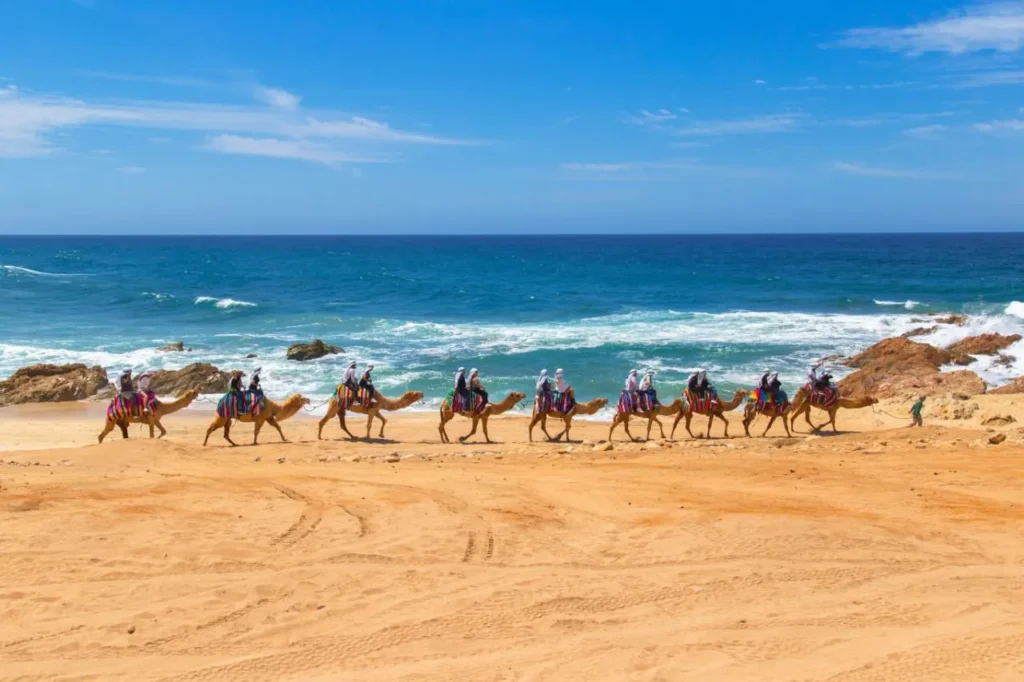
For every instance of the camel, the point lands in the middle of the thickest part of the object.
(153, 418)
(718, 410)
(478, 417)
(801, 405)
(751, 410)
(650, 415)
(271, 414)
(379, 403)
(579, 408)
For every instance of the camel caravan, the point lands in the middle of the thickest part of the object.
(554, 399)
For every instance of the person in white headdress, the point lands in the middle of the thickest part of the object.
(543, 384)
(561, 385)
(350, 378)
(125, 385)
(632, 386)
(476, 386)
(147, 395)
(461, 389)
(647, 388)
(775, 387)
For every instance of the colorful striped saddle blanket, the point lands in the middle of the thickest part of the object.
(474, 404)
(555, 402)
(699, 405)
(121, 408)
(824, 398)
(764, 402)
(233, 405)
(636, 403)
(346, 397)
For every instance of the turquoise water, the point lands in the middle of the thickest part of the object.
(420, 307)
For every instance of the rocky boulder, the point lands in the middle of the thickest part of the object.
(199, 375)
(311, 351)
(176, 347)
(900, 367)
(52, 384)
(952, 409)
(985, 344)
(958, 320)
(1015, 386)
(920, 331)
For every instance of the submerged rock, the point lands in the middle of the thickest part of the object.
(176, 347)
(311, 351)
(52, 384)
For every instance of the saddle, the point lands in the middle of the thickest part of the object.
(699, 405)
(231, 406)
(555, 402)
(764, 402)
(823, 397)
(473, 404)
(122, 408)
(347, 397)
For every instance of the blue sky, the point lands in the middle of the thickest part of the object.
(124, 116)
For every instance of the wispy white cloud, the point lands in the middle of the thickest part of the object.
(991, 79)
(567, 121)
(281, 99)
(775, 123)
(986, 26)
(760, 81)
(632, 169)
(301, 150)
(102, 152)
(877, 172)
(131, 170)
(865, 86)
(647, 118)
(1013, 125)
(925, 131)
(887, 118)
(28, 123)
(176, 81)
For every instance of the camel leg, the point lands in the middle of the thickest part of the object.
(383, 423)
(544, 428)
(725, 422)
(688, 416)
(625, 425)
(784, 424)
(770, 422)
(331, 411)
(214, 425)
(748, 416)
(472, 431)
(483, 422)
(615, 422)
(108, 426)
(533, 422)
(568, 425)
(441, 429)
(661, 429)
(679, 418)
(124, 429)
(227, 432)
(257, 425)
(341, 420)
(150, 423)
(832, 418)
(273, 422)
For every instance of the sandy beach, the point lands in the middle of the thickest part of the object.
(882, 553)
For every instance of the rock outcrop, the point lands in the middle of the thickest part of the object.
(176, 347)
(199, 375)
(52, 384)
(1015, 386)
(920, 331)
(311, 351)
(898, 367)
(984, 344)
(958, 320)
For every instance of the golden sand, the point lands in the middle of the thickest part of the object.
(879, 554)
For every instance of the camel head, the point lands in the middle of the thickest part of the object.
(412, 396)
(517, 397)
(190, 395)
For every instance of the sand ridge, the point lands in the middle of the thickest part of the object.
(878, 554)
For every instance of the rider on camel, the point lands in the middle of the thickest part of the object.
(125, 386)
(147, 395)
(254, 388)
(350, 379)
(476, 387)
(632, 389)
(461, 390)
(235, 387)
(366, 383)
(560, 384)
(775, 387)
(647, 388)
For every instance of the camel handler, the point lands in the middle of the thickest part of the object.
(915, 412)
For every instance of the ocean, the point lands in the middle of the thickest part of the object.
(420, 307)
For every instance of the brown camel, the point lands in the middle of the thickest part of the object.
(750, 412)
(717, 409)
(478, 417)
(271, 414)
(152, 418)
(651, 416)
(579, 408)
(379, 403)
(801, 405)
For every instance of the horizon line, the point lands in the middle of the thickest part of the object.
(208, 235)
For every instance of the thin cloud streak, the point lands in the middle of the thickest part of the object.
(877, 172)
(776, 123)
(280, 99)
(299, 150)
(1013, 125)
(995, 26)
(176, 81)
(634, 170)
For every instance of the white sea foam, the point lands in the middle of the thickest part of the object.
(908, 304)
(224, 302)
(156, 296)
(18, 270)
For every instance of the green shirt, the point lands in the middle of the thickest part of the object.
(916, 409)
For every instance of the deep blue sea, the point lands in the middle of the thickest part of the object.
(420, 307)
